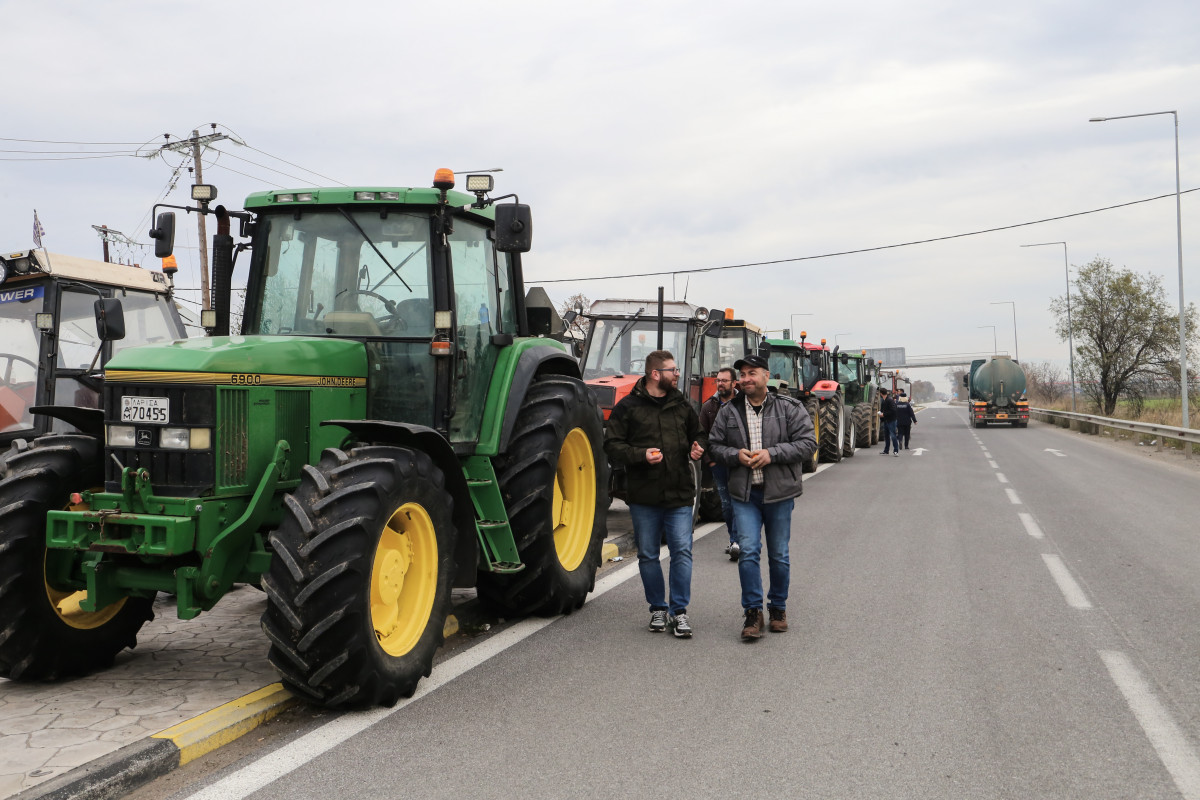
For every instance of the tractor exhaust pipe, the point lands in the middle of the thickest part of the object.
(222, 272)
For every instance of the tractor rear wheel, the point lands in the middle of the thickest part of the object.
(850, 446)
(862, 424)
(813, 407)
(710, 501)
(46, 635)
(876, 422)
(554, 478)
(833, 429)
(359, 586)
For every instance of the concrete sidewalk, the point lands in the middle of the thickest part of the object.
(188, 687)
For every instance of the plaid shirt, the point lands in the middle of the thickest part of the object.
(754, 423)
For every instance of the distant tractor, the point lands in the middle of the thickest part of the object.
(996, 393)
(856, 373)
(387, 426)
(50, 350)
(795, 371)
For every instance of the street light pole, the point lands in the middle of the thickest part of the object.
(836, 335)
(1070, 329)
(1183, 370)
(1016, 346)
(995, 347)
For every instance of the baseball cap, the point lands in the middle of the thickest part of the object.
(751, 361)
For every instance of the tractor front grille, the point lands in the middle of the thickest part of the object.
(173, 473)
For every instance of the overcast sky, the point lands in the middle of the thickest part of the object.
(656, 136)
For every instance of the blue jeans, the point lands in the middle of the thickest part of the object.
(650, 523)
(890, 437)
(720, 474)
(776, 518)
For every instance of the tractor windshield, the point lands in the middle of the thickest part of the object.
(781, 367)
(332, 272)
(611, 352)
(19, 341)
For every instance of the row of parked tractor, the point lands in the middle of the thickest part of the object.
(840, 389)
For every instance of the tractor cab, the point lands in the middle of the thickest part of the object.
(51, 350)
(735, 338)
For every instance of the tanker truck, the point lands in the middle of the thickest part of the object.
(996, 392)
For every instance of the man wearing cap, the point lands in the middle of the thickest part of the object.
(905, 419)
(887, 410)
(763, 437)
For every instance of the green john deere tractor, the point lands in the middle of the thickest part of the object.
(794, 371)
(856, 376)
(386, 427)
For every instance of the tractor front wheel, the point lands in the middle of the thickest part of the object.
(46, 635)
(359, 586)
(813, 407)
(862, 424)
(554, 479)
(833, 429)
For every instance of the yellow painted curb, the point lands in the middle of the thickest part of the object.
(223, 724)
(609, 551)
(451, 626)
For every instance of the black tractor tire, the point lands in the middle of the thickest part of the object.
(850, 445)
(558, 441)
(710, 502)
(44, 638)
(698, 483)
(862, 424)
(876, 422)
(833, 429)
(813, 407)
(359, 585)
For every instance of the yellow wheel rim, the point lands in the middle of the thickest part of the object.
(404, 579)
(574, 510)
(66, 602)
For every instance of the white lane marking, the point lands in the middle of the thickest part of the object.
(993, 465)
(1031, 527)
(1051, 450)
(1001, 478)
(1168, 739)
(919, 451)
(271, 767)
(986, 454)
(1066, 584)
(1012, 497)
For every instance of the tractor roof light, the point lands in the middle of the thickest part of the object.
(204, 192)
(3, 272)
(44, 320)
(443, 179)
(365, 196)
(479, 184)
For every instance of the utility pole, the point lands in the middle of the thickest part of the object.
(196, 145)
(104, 242)
(108, 234)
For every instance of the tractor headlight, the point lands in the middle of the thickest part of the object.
(200, 439)
(121, 436)
(174, 438)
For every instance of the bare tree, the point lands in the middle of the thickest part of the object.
(579, 326)
(955, 375)
(1046, 382)
(1125, 332)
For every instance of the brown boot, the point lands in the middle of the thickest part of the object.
(754, 624)
(778, 623)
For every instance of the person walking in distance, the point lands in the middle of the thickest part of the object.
(887, 410)
(763, 437)
(905, 419)
(656, 434)
(726, 388)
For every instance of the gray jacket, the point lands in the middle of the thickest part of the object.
(787, 434)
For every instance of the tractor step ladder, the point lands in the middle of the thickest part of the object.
(496, 541)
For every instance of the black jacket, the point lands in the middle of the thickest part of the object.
(641, 421)
(888, 407)
(905, 416)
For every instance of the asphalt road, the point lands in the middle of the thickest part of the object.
(1008, 614)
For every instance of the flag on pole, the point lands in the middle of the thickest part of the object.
(38, 230)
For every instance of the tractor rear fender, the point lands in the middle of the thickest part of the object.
(825, 389)
(432, 443)
(516, 369)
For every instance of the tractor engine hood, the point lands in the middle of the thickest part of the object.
(247, 359)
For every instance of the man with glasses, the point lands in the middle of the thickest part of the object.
(726, 388)
(656, 434)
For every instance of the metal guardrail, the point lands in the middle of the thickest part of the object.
(1188, 437)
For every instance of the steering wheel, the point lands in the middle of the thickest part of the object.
(386, 321)
(7, 371)
(637, 366)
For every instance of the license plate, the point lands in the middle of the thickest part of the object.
(151, 410)
(1002, 416)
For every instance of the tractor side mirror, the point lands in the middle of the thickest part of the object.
(845, 358)
(163, 234)
(964, 380)
(569, 317)
(110, 319)
(514, 228)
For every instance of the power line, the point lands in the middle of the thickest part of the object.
(255, 163)
(88, 144)
(861, 249)
(245, 175)
(297, 166)
(69, 158)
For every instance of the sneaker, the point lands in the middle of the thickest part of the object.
(884, 453)
(734, 550)
(658, 621)
(896, 454)
(754, 624)
(778, 623)
(681, 627)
